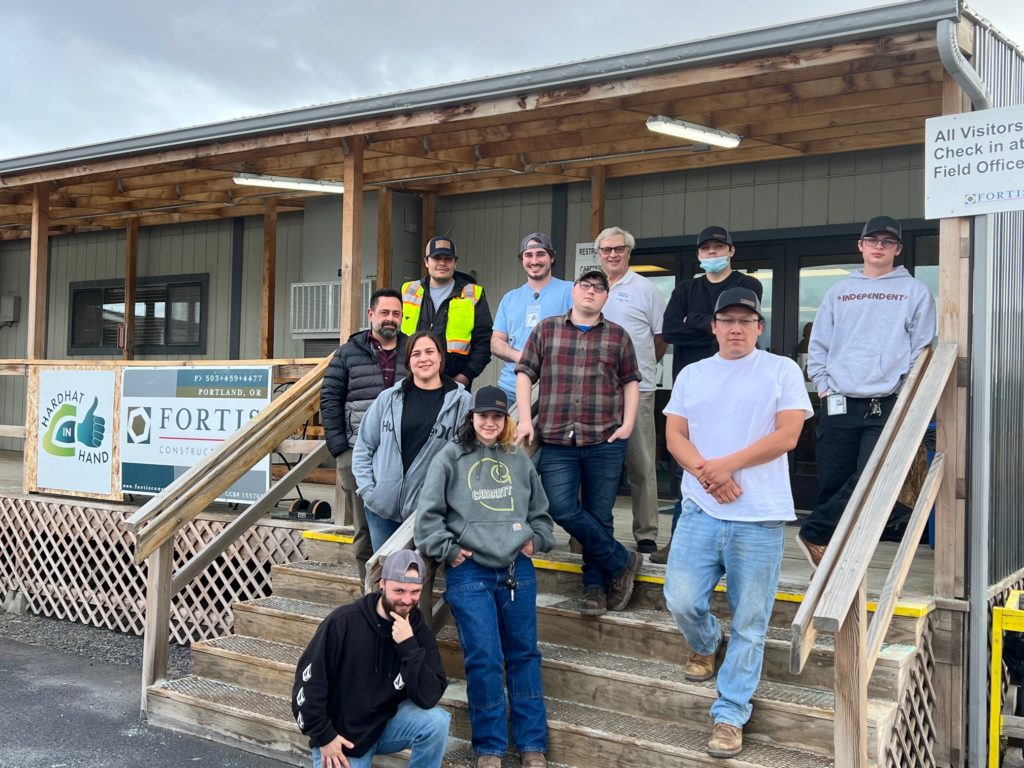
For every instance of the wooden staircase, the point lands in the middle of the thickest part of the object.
(616, 695)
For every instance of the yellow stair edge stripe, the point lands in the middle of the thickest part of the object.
(911, 609)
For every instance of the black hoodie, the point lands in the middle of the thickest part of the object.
(352, 675)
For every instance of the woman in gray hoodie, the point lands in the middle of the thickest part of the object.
(401, 433)
(483, 512)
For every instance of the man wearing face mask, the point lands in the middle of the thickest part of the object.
(691, 308)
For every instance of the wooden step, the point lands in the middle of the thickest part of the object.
(333, 583)
(791, 716)
(591, 736)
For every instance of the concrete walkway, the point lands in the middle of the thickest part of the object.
(64, 711)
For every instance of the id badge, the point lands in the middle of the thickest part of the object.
(836, 405)
(532, 315)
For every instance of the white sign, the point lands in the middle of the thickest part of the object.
(74, 443)
(173, 417)
(974, 163)
(586, 258)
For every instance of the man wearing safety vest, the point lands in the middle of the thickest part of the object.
(452, 305)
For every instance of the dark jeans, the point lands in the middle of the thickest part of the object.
(845, 442)
(580, 483)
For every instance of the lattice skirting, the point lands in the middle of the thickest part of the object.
(76, 562)
(912, 744)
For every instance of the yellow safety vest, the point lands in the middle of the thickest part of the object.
(461, 314)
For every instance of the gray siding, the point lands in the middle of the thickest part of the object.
(13, 280)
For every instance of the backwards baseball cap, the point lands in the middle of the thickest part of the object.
(540, 239)
(714, 233)
(885, 224)
(488, 399)
(398, 563)
(739, 297)
(441, 246)
(595, 273)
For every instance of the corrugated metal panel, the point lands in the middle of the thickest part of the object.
(1001, 67)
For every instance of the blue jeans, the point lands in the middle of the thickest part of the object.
(424, 731)
(499, 642)
(703, 548)
(381, 529)
(588, 474)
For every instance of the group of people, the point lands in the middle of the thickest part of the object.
(579, 364)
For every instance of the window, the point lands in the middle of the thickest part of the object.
(169, 315)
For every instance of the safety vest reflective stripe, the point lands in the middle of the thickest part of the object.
(458, 330)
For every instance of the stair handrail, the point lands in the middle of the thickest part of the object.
(158, 522)
(836, 599)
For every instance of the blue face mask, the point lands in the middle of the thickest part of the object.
(714, 265)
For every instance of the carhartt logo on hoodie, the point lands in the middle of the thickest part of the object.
(490, 483)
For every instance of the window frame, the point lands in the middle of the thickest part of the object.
(168, 282)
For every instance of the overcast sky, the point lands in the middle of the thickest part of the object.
(74, 73)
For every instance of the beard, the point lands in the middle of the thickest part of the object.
(388, 331)
(390, 606)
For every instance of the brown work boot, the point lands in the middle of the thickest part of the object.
(621, 589)
(661, 556)
(813, 551)
(488, 761)
(595, 602)
(726, 741)
(534, 760)
(700, 667)
(575, 547)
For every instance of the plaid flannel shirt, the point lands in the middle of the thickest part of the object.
(582, 375)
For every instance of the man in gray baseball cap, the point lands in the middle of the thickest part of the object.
(369, 681)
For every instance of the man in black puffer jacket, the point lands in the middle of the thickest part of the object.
(367, 364)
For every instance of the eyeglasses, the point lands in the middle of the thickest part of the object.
(874, 242)
(608, 250)
(743, 322)
(586, 285)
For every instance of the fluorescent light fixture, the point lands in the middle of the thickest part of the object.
(288, 182)
(698, 134)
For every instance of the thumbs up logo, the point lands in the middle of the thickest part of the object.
(91, 427)
(65, 428)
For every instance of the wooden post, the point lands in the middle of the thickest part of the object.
(38, 272)
(851, 686)
(269, 278)
(385, 200)
(429, 227)
(131, 258)
(352, 238)
(597, 179)
(158, 616)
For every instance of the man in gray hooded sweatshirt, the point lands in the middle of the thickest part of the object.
(869, 330)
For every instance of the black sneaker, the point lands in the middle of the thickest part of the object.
(621, 588)
(646, 546)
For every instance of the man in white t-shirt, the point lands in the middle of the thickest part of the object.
(730, 422)
(635, 303)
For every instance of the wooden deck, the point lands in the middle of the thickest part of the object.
(795, 569)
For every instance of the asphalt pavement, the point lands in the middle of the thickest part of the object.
(60, 710)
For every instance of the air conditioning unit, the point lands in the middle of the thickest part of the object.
(316, 307)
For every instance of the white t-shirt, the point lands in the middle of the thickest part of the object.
(728, 405)
(637, 305)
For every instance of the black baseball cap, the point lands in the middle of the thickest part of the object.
(885, 224)
(487, 399)
(593, 272)
(739, 297)
(541, 240)
(441, 246)
(398, 564)
(714, 233)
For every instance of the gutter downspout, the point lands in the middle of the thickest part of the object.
(980, 455)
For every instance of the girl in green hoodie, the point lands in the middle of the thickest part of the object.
(482, 511)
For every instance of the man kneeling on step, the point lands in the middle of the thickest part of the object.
(730, 422)
(369, 681)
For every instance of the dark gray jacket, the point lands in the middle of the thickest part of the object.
(352, 381)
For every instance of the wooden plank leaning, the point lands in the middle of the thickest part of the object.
(860, 546)
(241, 524)
(804, 632)
(893, 587)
